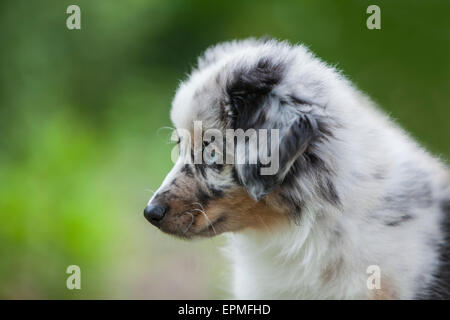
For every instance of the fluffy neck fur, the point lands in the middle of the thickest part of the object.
(326, 254)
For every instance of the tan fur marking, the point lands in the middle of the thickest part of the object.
(237, 210)
(386, 292)
(332, 271)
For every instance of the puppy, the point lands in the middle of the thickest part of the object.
(355, 210)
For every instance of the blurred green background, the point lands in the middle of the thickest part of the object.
(80, 110)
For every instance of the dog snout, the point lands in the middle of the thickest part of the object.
(154, 213)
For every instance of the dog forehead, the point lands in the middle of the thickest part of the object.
(200, 96)
(197, 99)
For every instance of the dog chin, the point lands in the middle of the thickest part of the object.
(207, 232)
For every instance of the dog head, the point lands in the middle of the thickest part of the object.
(218, 184)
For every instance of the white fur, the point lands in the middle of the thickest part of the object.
(290, 261)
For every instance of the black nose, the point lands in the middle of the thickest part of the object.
(154, 213)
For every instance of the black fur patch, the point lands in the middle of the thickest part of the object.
(297, 100)
(248, 88)
(295, 203)
(309, 165)
(217, 167)
(187, 170)
(329, 193)
(310, 161)
(410, 195)
(379, 173)
(441, 288)
(414, 191)
(201, 168)
(297, 139)
(202, 196)
(399, 220)
(236, 177)
(216, 193)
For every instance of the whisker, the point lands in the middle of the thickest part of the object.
(206, 217)
(169, 135)
(164, 127)
(192, 221)
(199, 204)
(263, 222)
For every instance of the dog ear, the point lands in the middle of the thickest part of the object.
(253, 105)
(257, 179)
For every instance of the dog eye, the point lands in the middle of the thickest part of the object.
(212, 158)
(230, 110)
(175, 140)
